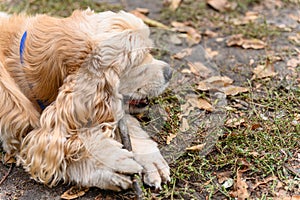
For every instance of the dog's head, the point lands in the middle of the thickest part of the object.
(125, 47)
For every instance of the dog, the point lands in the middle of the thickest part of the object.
(63, 82)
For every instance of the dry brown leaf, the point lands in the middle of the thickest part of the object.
(198, 147)
(295, 38)
(174, 4)
(263, 71)
(240, 187)
(184, 125)
(250, 16)
(234, 122)
(294, 62)
(210, 53)
(199, 69)
(144, 11)
(192, 35)
(238, 40)
(234, 90)
(205, 105)
(219, 5)
(74, 192)
(265, 181)
(210, 33)
(170, 137)
(149, 21)
(183, 53)
(253, 44)
(223, 176)
(200, 103)
(214, 82)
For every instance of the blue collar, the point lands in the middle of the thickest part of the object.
(22, 46)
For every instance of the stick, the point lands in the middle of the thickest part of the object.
(6, 175)
(123, 129)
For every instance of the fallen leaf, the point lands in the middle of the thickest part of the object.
(214, 82)
(240, 187)
(210, 53)
(199, 69)
(294, 62)
(223, 176)
(253, 44)
(74, 192)
(238, 40)
(254, 153)
(149, 21)
(200, 103)
(183, 127)
(144, 11)
(192, 35)
(234, 122)
(295, 38)
(265, 181)
(183, 53)
(250, 16)
(203, 104)
(210, 33)
(198, 147)
(170, 137)
(263, 71)
(174, 4)
(234, 90)
(219, 5)
(255, 126)
(175, 39)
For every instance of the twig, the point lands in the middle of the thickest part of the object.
(123, 129)
(6, 175)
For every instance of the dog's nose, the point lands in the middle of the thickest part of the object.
(167, 71)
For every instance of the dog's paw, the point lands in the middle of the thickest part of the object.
(155, 169)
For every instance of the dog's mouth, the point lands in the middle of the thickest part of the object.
(138, 103)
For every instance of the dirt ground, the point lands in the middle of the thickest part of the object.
(278, 26)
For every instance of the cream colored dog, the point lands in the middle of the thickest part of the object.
(79, 68)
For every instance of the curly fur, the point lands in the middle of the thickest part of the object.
(81, 66)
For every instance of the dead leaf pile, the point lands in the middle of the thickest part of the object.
(191, 35)
(221, 83)
(238, 40)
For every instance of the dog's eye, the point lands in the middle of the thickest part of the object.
(139, 89)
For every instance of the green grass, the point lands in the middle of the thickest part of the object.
(267, 141)
(55, 7)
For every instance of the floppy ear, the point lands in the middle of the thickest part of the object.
(85, 100)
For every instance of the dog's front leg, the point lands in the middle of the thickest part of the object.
(75, 141)
(146, 153)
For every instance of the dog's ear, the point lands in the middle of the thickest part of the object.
(42, 155)
(123, 41)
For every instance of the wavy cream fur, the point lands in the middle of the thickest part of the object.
(81, 66)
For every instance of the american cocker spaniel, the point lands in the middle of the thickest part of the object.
(63, 82)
